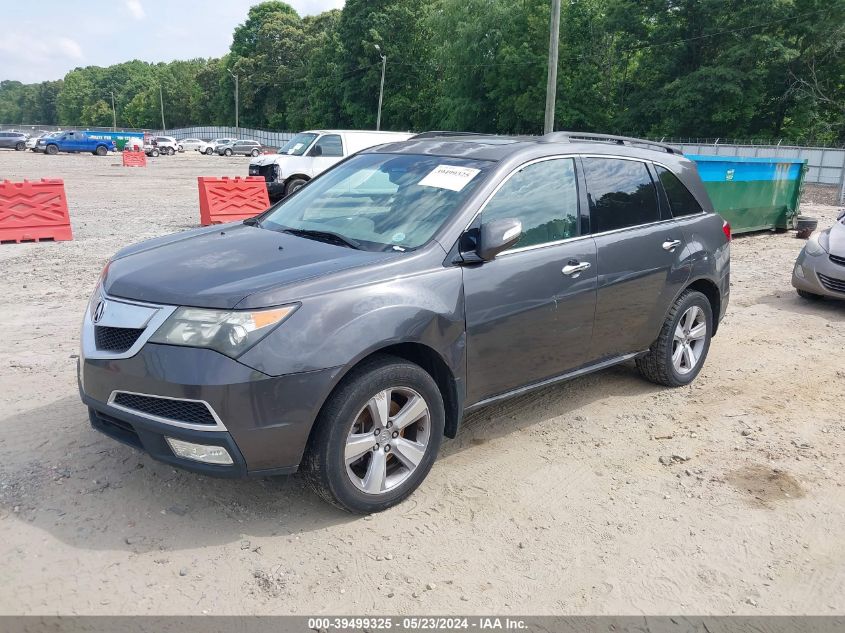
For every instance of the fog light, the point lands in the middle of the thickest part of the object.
(799, 271)
(200, 452)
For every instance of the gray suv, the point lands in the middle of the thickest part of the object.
(14, 140)
(347, 329)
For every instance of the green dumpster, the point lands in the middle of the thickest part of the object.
(753, 194)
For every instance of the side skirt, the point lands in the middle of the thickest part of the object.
(555, 379)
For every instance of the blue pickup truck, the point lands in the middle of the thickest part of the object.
(74, 142)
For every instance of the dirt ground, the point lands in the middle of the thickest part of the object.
(605, 495)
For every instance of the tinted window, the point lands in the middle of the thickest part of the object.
(681, 200)
(544, 197)
(621, 194)
(331, 145)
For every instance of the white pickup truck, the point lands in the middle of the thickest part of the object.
(311, 152)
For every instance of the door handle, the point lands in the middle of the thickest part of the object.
(574, 268)
(671, 245)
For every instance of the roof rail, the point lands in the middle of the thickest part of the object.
(439, 133)
(557, 137)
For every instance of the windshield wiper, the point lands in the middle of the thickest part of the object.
(253, 222)
(324, 236)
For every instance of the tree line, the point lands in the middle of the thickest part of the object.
(675, 68)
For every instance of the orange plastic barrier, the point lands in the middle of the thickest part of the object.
(31, 211)
(229, 199)
(134, 159)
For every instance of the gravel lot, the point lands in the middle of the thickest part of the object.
(605, 495)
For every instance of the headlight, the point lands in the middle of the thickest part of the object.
(230, 332)
(817, 244)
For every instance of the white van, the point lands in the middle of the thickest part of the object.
(312, 152)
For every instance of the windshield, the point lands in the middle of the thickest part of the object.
(381, 201)
(298, 144)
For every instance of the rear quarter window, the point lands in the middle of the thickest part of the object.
(681, 201)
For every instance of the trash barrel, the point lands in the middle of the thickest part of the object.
(753, 194)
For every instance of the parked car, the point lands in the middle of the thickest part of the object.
(165, 145)
(13, 140)
(195, 145)
(349, 327)
(220, 141)
(309, 153)
(32, 141)
(242, 148)
(74, 141)
(820, 269)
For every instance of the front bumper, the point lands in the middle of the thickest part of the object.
(264, 420)
(805, 275)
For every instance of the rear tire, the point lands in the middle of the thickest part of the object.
(255, 152)
(208, 151)
(809, 296)
(678, 354)
(349, 416)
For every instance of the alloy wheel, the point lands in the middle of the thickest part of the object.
(387, 440)
(689, 340)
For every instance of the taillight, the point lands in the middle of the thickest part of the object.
(726, 229)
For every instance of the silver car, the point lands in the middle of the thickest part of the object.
(195, 145)
(820, 268)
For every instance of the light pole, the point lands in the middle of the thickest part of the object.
(551, 81)
(113, 114)
(381, 89)
(161, 101)
(236, 96)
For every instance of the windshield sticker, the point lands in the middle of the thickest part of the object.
(449, 177)
(294, 148)
(398, 237)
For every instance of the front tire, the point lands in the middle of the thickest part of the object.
(376, 437)
(52, 150)
(208, 151)
(678, 354)
(294, 185)
(101, 151)
(255, 152)
(154, 153)
(19, 147)
(227, 152)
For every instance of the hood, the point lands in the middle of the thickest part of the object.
(836, 244)
(218, 267)
(264, 159)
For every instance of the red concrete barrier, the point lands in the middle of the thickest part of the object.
(229, 199)
(134, 159)
(31, 211)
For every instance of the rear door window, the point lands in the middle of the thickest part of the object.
(621, 194)
(681, 201)
(544, 197)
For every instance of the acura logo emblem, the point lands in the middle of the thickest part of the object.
(99, 310)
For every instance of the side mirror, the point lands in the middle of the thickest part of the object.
(497, 236)
(316, 151)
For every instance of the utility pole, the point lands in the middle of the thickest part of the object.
(236, 97)
(381, 89)
(161, 100)
(551, 81)
(113, 114)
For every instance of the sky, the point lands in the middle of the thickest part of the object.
(44, 39)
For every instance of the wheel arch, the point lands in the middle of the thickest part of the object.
(710, 290)
(431, 361)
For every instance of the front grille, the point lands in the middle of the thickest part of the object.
(837, 260)
(267, 171)
(187, 411)
(115, 339)
(832, 283)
